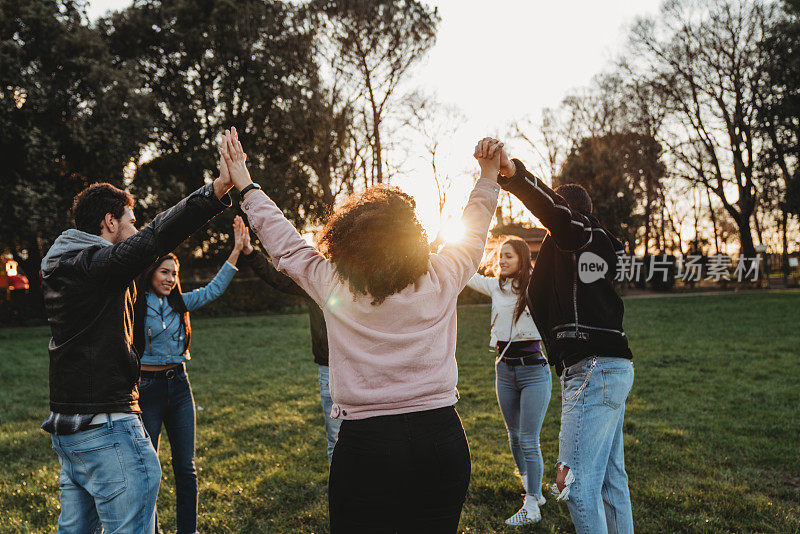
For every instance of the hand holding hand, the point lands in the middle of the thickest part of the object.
(234, 156)
(488, 156)
(507, 167)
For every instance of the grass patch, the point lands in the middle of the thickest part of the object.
(711, 428)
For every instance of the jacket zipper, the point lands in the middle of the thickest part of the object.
(575, 289)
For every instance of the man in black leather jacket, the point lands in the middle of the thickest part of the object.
(109, 471)
(579, 315)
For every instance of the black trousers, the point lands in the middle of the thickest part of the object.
(404, 473)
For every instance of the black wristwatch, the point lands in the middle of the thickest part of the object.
(248, 188)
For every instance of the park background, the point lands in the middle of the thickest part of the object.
(681, 118)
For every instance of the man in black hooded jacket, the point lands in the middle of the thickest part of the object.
(579, 315)
(110, 472)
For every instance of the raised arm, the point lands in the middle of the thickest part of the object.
(120, 263)
(463, 257)
(570, 229)
(272, 276)
(482, 284)
(263, 267)
(203, 295)
(289, 251)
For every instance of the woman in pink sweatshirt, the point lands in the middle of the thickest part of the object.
(402, 462)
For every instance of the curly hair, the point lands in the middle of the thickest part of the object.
(376, 242)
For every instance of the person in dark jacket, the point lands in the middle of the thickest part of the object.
(579, 315)
(265, 270)
(109, 470)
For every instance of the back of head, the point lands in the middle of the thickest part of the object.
(376, 242)
(577, 197)
(89, 207)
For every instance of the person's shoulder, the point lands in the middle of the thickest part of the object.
(74, 262)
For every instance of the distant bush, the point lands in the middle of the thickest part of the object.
(246, 296)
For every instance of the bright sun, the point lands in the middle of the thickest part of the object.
(452, 230)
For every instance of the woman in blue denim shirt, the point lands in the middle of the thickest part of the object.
(165, 395)
(523, 380)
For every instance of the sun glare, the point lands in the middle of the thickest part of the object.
(453, 230)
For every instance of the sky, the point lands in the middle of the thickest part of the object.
(498, 62)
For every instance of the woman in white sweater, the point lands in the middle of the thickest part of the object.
(523, 380)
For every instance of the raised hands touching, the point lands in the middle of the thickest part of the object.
(223, 183)
(241, 235)
(234, 157)
(487, 152)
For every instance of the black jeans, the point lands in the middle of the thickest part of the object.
(404, 473)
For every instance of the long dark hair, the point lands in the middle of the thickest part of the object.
(174, 298)
(521, 278)
(376, 242)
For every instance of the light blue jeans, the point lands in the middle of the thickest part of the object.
(109, 479)
(594, 391)
(331, 425)
(523, 393)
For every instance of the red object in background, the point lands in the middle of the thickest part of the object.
(9, 279)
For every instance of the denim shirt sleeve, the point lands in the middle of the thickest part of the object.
(203, 295)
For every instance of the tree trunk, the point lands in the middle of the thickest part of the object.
(713, 221)
(377, 150)
(647, 225)
(748, 249)
(785, 262)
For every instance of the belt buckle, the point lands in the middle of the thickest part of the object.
(170, 374)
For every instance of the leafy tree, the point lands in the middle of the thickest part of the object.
(780, 118)
(250, 64)
(622, 174)
(69, 116)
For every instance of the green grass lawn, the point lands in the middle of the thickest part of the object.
(712, 429)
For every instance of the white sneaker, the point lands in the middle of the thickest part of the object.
(527, 515)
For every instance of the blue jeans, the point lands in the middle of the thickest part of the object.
(109, 479)
(594, 391)
(331, 425)
(523, 392)
(169, 401)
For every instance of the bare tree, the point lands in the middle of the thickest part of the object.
(703, 57)
(435, 122)
(378, 42)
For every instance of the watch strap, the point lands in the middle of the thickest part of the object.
(249, 187)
